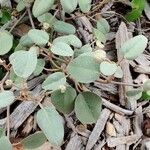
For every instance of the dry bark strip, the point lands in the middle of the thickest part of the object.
(116, 108)
(75, 143)
(113, 141)
(99, 127)
(122, 36)
(23, 111)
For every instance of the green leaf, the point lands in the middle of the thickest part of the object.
(85, 5)
(99, 35)
(118, 73)
(134, 93)
(54, 81)
(63, 27)
(137, 8)
(6, 16)
(41, 6)
(51, 124)
(135, 46)
(39, 67)
(39, 37)
(6, 42)
(26, 41)
(69, 6)
(88, 107)
(146, 95)
(103, 26)
(84, 49)
(69, 39)
(6, 98)
(2, 132)
(133, 15)
(21, 6)
(64, 101)
(47, 18)
(146, 85)
(24, 62)
(84, 69)
(5, 143)
(34, 141)
(62, 49)
(108, 68)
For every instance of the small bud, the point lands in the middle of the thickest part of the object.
(100, 55)
(62, 88)
(9, 82)
(46, 25)
(99, 44)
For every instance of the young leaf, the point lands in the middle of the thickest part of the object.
(146, 85)
(64, 101)
(26, 41)
(6, 98)
(135, 93)
(108, 68)
(84, 69)
(6, 42)
(88, 107)
(34, 141)
(63, 27)
(24, 62)
(69, 39)
(103, 26)
(135, 46)
(146, 95)
(5, 143)
(39, 67)
(47, 18)
(99, 35)
(41, 6)
(62, 49)
(54, 81)
(39, 37)
(84, 49)
(69, 6)
(85, 5)
(51, 124)
(21, 6)
(118, 73)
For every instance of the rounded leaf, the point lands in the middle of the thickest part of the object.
(63, 27)
(41, 6)
(103, 26)
(88, 107)
(135, 46)
(6, 98)
(54, 81)
(107, 68)
(39, 37)
(6, 42)
(34, 141)
(85, 5)
(84, 69)
(118, 73)
(62, 49)
(64, 101)
(69, 6)
(5, 143)
(134, 93)
(51, 124)
(99, 35)
(146, 85)
(69, 39)
(24, 62)
(39, 67)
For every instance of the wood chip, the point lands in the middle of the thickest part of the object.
(99, 127)
(75, 143)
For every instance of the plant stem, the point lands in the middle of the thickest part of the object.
(17, 22)
(30, 17)
(8, 121)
